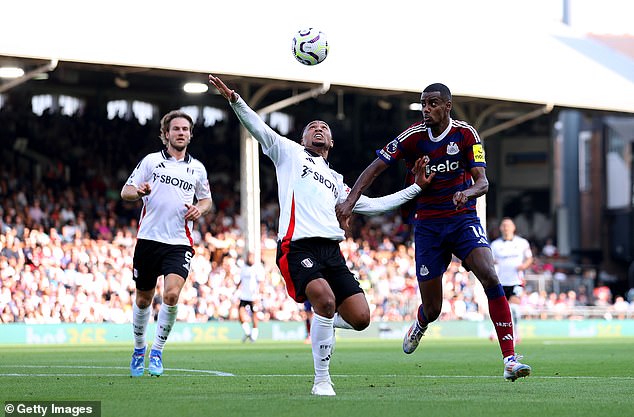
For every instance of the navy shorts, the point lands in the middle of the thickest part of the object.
(437, 240)
(153, 259)
(304, 260)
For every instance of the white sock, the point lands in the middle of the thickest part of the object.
(515, 316)
(166, 319)
(321, 333)
(515, 312)
(246, 327)
(340, 323)
(140, 319)
(254, 334)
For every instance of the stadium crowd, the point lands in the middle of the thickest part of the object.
(67, 239)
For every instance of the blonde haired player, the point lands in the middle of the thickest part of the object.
(175, 193)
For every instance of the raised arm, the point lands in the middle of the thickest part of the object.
(249, 118)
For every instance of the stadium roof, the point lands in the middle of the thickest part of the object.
(396, 46)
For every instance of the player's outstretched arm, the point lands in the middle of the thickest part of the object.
(247, 116)
(344, 210)
(224, 91)
(371, 206)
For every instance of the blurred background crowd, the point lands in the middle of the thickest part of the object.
(67, 239)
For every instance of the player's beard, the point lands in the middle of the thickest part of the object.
(178, 146)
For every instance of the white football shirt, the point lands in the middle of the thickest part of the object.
(173, 183)
(508, 255)
(250, 278)
(308, 189)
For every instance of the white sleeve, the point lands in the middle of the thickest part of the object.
(528, 253)
(202, 190)
(140, 174)
(371, 206)
(254, 124)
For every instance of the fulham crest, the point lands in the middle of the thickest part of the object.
(307, 263)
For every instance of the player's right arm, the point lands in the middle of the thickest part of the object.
(369, 206)
(132, 193)
(136, 186)
(367, 177)
(249, 118)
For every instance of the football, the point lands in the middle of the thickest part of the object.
(310, 46)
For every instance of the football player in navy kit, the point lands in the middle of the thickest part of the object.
(308, 252)
(444, 215)
(175, 193)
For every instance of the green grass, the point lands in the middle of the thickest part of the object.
(452, 377)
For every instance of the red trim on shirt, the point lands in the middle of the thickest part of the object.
(286, 243)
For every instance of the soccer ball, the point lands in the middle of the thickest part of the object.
(310, 46)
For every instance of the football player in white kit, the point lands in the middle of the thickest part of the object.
(512, 255)
(175, 193)
(251, 275)
(308, 252)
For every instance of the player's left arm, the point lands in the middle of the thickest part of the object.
(204, 205)
(480, 187)
(203, 198)
(528, 258)
(195, 211)
(475, 162)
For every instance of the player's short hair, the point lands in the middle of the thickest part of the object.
(167, 119)
(316, 120)
(444, 91)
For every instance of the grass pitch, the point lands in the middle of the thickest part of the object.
(451, 377)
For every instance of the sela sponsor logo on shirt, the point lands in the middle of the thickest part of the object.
(446, 166)
(307, 263)
(176, 182)
(452, 148)
(423, 271)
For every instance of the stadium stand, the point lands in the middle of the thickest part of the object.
(66, 238)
